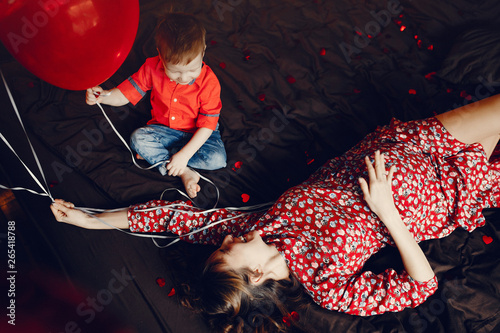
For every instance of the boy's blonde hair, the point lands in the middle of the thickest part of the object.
(179, 38)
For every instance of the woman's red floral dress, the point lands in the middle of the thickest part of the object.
(326, 232)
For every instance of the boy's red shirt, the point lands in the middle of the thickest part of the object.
(181, 107)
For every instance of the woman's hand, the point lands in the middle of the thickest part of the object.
(66, 212)
(378, 193)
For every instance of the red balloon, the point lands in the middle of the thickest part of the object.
(72, 44)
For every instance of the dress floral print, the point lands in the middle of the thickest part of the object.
(326, 232)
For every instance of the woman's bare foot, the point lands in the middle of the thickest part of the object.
(190, 180)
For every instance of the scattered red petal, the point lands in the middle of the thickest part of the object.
(463, 94)
(171, 293)
(419, 43)
(412, 92)
(359, 33)
(449, 90)
(245, 197)
(322, 51)
(295, 316)
(357, 91)
(398, 22)
(403, 28)
(430, 47)
(369, 36)
(238, 164)
(429, 76)
(222, 65)
(401, 15)
(262, 97)
(160, 282)
(287, 320)
(247, 57)
(291, 79)
(310, 161)
(487, 239)
(416, 36)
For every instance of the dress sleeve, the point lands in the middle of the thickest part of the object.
(181, 218)
(371, 294)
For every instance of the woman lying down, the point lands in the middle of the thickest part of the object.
(402, 184)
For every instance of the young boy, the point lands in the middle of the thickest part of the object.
(185, 100)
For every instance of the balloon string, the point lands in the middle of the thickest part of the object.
(44, 189)
(159, 163)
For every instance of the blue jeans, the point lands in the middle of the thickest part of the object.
(157, 143)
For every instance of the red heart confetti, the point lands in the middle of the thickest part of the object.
(487, 239)
(171, 293)
(245, 197)
(160, 281)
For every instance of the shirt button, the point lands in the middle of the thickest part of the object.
(173, 118)
(175, 99)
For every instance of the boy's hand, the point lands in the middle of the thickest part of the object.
(378, 194)
(91, 97)
(178, 163)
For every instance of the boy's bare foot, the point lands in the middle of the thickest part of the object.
(190, 180)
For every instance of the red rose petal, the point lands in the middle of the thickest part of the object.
(403, 28)
(245, 197)
(286, 320)
(295, 316)
(238, 164)
(487, 239)
(171, 293)
(322, 52)
(262, 97)
(430, 75)
(290, 79)
(412, 92)
(160, 282)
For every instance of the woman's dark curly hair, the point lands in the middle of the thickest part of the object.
(231, 303)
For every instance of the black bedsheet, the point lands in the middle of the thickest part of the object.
(302, 81)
